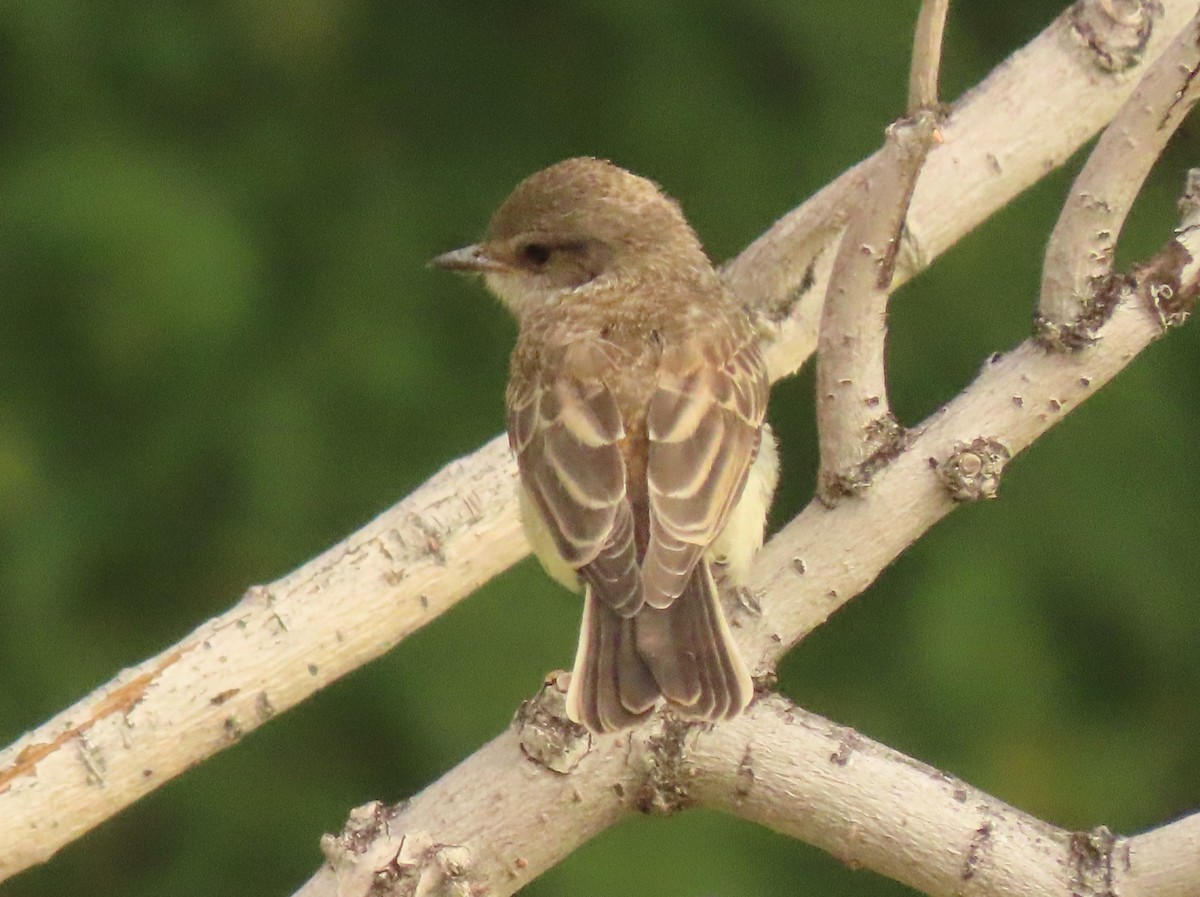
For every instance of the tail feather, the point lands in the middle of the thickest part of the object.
(667, 642)
(683, 652)
(714, 693)
(691, 653)
(732, 686)
(611, 687)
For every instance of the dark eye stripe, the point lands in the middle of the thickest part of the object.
(535, 254)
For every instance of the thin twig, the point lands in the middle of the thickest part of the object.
(927, 56)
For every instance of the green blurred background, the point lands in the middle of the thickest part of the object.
(220, 352)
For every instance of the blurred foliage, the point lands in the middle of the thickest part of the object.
(220, 352)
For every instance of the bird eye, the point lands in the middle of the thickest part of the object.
(535, 254)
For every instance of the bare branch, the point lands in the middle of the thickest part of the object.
(858, 433)
(1115, 32)
(927, 56)
(1163, 862)
(277, 646)
(871, 806)
(826, 556)
(501, 818)
(1080, 253)
(490, 825)
(868, 805)
(1025, 119)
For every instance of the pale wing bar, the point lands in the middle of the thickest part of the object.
(704, 424)
(566, 433)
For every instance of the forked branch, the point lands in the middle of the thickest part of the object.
(1079, 257)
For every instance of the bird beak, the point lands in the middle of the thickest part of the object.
(474, 259)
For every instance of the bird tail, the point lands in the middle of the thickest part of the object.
(683, 652)
(611, 686)
(691, 653)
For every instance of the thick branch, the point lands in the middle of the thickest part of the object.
(502, 817)
(284, 641)
(273, 649)
(825, 784)
(1080, 252)
(1165, 862)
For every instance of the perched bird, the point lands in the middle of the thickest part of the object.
(635, 408)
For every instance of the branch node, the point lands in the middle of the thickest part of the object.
(884, 438)
(1095, 310)
(847, 746)
(972, 471)
(362, 827)
(545, 734)
(767, 682)
(1161, 288)
(369, 860)
(1114, 31)
(1091, 858)
(664, 789)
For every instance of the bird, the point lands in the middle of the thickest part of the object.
(635, 407)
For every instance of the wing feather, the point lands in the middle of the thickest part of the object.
(704, 425)
(566, 429)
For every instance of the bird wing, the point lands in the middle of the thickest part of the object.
(704, 424)
(565, 427)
